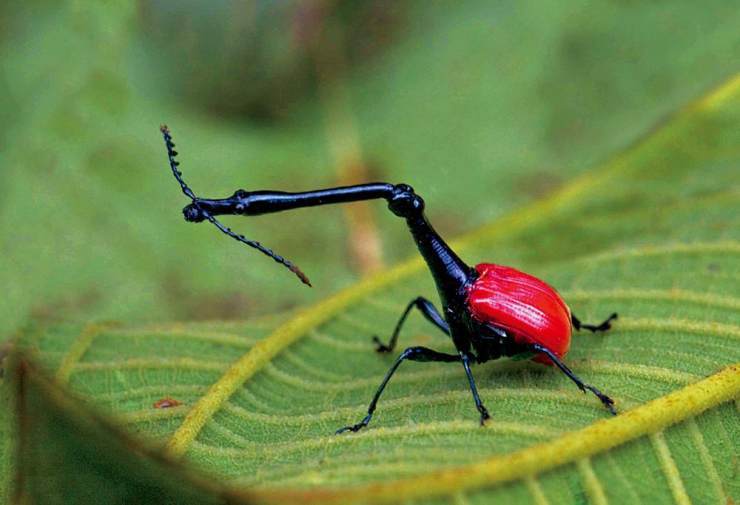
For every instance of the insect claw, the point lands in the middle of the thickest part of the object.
(608, 403)
(354, 428)
(380, 346)
(484, 416)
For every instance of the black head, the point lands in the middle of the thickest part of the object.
(193, 213)
(404, 202)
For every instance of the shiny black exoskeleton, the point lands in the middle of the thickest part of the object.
(475, 341)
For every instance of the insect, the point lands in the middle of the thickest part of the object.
(489, 311)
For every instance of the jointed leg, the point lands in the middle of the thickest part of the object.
(413, 354)
(427, 309)
(608, 402)
(478, 404)
(578, 325)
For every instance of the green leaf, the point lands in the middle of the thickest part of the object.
(68, 455)
(653, 235)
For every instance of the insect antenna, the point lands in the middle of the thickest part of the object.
(253, 243)
(171, 154)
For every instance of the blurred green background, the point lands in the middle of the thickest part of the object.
(481, 106)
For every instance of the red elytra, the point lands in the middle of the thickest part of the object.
(525, 306)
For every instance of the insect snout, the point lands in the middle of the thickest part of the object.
(193, 213)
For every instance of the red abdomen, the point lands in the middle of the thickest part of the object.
(528, 308)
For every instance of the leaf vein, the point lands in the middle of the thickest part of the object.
(679, 295)
(534, 488)
(492, 429)
(706, 460)
(78, 348)
(669, 468)
(594, 489)
(152, 363)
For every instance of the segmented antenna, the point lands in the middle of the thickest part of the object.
(171, 154)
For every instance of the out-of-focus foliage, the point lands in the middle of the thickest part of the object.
(259, 58)
(481, 106)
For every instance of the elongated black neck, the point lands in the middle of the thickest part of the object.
(254, 203)
(450, 273)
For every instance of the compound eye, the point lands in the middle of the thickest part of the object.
(240, 193)
(417, 202)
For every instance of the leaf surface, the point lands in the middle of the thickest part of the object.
(68, 455)
(653, 235)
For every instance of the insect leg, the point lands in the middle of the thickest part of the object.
(608, 402)
(412, 354)
(605, 325)
(465, 358)
(427, 309)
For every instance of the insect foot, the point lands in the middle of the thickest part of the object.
(355, 427)
(380, 346)
(606, 325)
(608, 402)
(484, 415)
(593, 328)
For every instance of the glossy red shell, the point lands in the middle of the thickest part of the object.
(530, 309)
